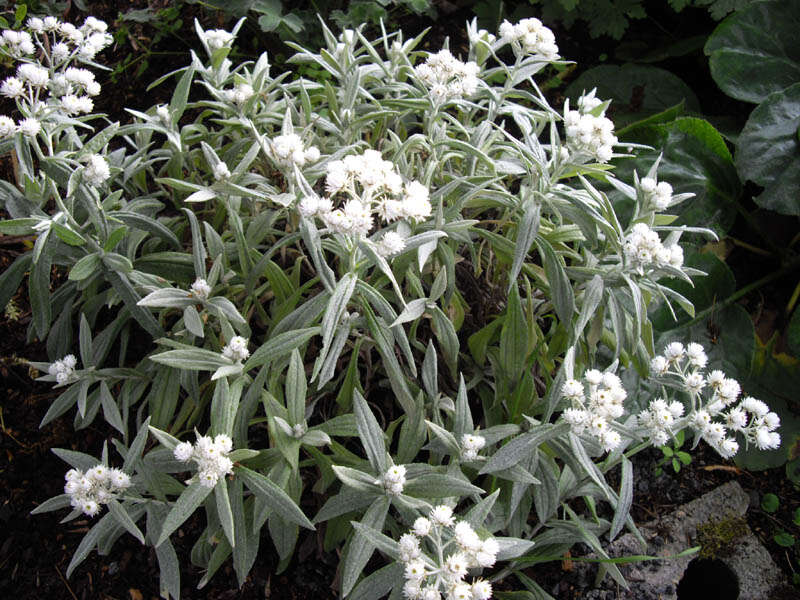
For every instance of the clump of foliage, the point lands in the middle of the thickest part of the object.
(310, 254)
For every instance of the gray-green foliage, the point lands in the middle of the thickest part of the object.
(200, 245)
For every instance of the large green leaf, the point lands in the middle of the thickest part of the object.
(695, 159)
(717, 285)
(768, 152)
(636, 91)
(754, 52)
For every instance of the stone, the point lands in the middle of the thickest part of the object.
(758, 575)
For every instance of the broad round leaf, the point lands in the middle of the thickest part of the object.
(636, 91)
(695, 159)
(754, 52)
(768, 151)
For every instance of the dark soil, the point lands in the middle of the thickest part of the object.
(35, 550)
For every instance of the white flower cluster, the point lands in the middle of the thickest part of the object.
(657, 194)
(531, 37)
(599, 409)
(96, 171)
(63, 369)
(88, 491)
(68, 89)
(238, 94)
(712, 418)
(447, 77)
(218, 38)
(211, 456)
(236, 349)
(471, 444)
(393, 480)
(373, 187)
(643, 250)
(200, 289)
(589, 133)
(427, 577)
(288, 150)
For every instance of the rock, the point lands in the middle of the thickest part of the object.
(758, 576)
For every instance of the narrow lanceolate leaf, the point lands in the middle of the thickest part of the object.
(193, 359)
(296, 388)
(527, 230)
(169, 571)
(123, 518)
(224, 511)
(90, 540)
(370, 433)
(336, 307)
(279, 346)
(382, 542)
(439, 485)
(279, 500)
(522, 445)
(592, 296)
(514, 338)
(625, 499)
(379, 584)
(192, 497)
(560, 288)
(360, 549)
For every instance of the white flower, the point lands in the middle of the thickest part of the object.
(96, 172)
(95, 24)
(696, 355)
(119, 479)
(481, 589)
(162, 112)
(308, 206)
(772, 421)
(694, 382)
(236, 349)
(35, 75)
(394, 479)
(200, 288)
(757, 407)
(217, 38)
(466, 537)
(7, 126)
(12, 88)
(415, 570)
(572, 389)
(63, 369)
(50, 23)
(460, 591)
(674, 351)
(75, 105)
(442, 515)
(727, 447)
(409, 547)
(455, 566)
(390, 244)
(35, 24)
(659, 365)
(447, 77)
(183, 451)
(221, 171)
(766, 439)
(422, 527)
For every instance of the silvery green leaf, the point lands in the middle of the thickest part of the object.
(77, 460)
(110, 409)
(382, 542)
(315, 437)
(224, 307)
(224, 511)
(580, 454)
(358, 480)
(279, 346)
(546, 497)
(439, 485)
(514, 337)
(521, 446)
(347, 500)
(385, 343)
(122, 517)
(359, 550)
(325, 370)
(562, 295)
(592, 295)
(166, 439)
(512, 547)
(90, 540)
(625, 499)
(136, 448)
(424, 252)
(191, 497)
(527, 230)
(192, 321)
(283, 426)
(430, 375)
(169, 571)
(447, 438)
(281, 503)
(55, 503)
(477, 515)
(193, 359)
(518, 474)
(370, 433)
(412, 311)
(241, 454)
(296, 388)
(378, 584)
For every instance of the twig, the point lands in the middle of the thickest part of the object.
(69, 589)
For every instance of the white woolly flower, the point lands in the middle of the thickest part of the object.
(76, 105)
(766, 439)
(63, 369)
(90, 490)
(183, 451)
(96, 171)
(696, 355)
(221, 171)
(34, 75)
(455, 566)
(442, 515)
(394, 479)
(288, 150)
(7, 126)
(217, 38)
(572, 389)
(390, 244)
(532, 37)
(210, 455)
(447, 77)
(470, 446)
(12, 88)
(422, 527)
(236, 349)
(201, 289)
(481, 590)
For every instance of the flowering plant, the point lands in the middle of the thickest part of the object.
(352, 236)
